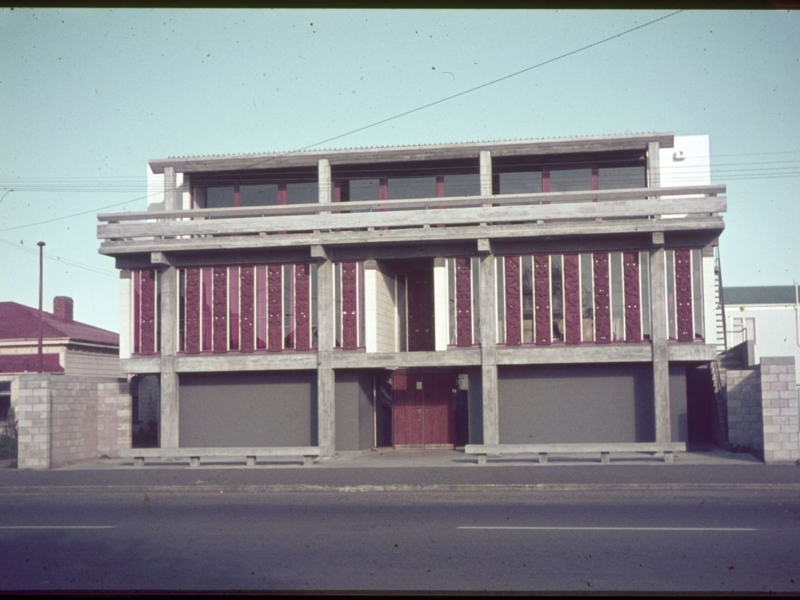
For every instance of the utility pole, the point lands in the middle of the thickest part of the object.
(41, 316)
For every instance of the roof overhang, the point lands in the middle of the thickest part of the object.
(412, 153)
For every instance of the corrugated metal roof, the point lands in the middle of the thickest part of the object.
(22, 322)
(401, 146)
(765, 294)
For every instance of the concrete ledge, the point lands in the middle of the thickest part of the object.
(665, 450)
(195, 455)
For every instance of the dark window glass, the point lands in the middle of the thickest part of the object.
(571, 180)
(527, 182)
(364, 189)
(412, 187)
(259, 195)
(302, 193)
(621, 177)
(219, 196)
(462, 185)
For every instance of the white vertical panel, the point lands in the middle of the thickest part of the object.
(441, 314)
(370, 310)
(125, 315)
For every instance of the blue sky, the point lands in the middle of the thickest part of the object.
(88, 96)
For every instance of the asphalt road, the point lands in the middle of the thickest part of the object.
(641, 541)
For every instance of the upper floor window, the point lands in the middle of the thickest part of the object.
(260, 189)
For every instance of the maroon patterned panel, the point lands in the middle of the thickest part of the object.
(137, 314)
(683, 293)
(220, 308)
(633, 314)
(349, 305)
(513, 313)
(463, 302)
(541, 297)
(193, 311)
(148, 318)
(572, 298)
(602, 306)
(274, 308)
(302, 309)
(247, 291)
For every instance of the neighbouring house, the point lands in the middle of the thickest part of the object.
(768, 316)
(547, 291)
(69, 347)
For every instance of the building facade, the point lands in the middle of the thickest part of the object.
(429, 296)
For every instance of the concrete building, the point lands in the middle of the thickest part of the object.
(547, 291)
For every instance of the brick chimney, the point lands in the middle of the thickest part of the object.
(62, 308)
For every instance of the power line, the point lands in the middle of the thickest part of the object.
(60, 259)
(382, 121)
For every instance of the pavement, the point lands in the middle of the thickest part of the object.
(413, 471)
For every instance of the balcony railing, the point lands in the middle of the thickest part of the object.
(456, 217)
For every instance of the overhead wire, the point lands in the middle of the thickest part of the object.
(60, 259)
(386, 120)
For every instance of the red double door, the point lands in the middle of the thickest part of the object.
(423, 414)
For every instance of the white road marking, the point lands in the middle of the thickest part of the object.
(613, 528)
(58, 526)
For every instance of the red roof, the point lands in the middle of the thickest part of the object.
(22, 322)
(29, 363)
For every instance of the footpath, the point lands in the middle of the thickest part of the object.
(413, 471)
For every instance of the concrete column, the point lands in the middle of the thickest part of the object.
(658, 319)
(172, 197)
(326, 381)
(441, 312)
(325, 183)
(709, 302)
(653, 165)
(488, 328)
(125, 314)
(486, 173)
(169, 343)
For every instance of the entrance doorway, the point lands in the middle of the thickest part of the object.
(423, 409)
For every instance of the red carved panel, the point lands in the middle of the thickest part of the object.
(208, 320)
(275, 307)
(148, 318)
(193, 311)
(602, 305)
(220, 308)
(683, 294)
(572, 298)
(234, 323)
(302, 306)
(349, 305)
(633, 313)
(261, 307)
(513, 297)
(137, 312)
(541, 297)
(247, 283)
(463, 302)
(421, 333)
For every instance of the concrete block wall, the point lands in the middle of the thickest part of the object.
(745, 427)
(67, 419)
(780, 410)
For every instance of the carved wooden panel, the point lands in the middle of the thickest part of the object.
(463, 302)
(513, 312)
(349, 305)
(261, 307)
(421, 333)
(683, 294)
(220, 308)
(234, 314)
(207, 308)
(275, 307)
(572, 298)
(247, 291)
(193, 311)
(602, 305)
(633, 313)
(302, 301)
(137, 312)
(541, 297)
(148, 318)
